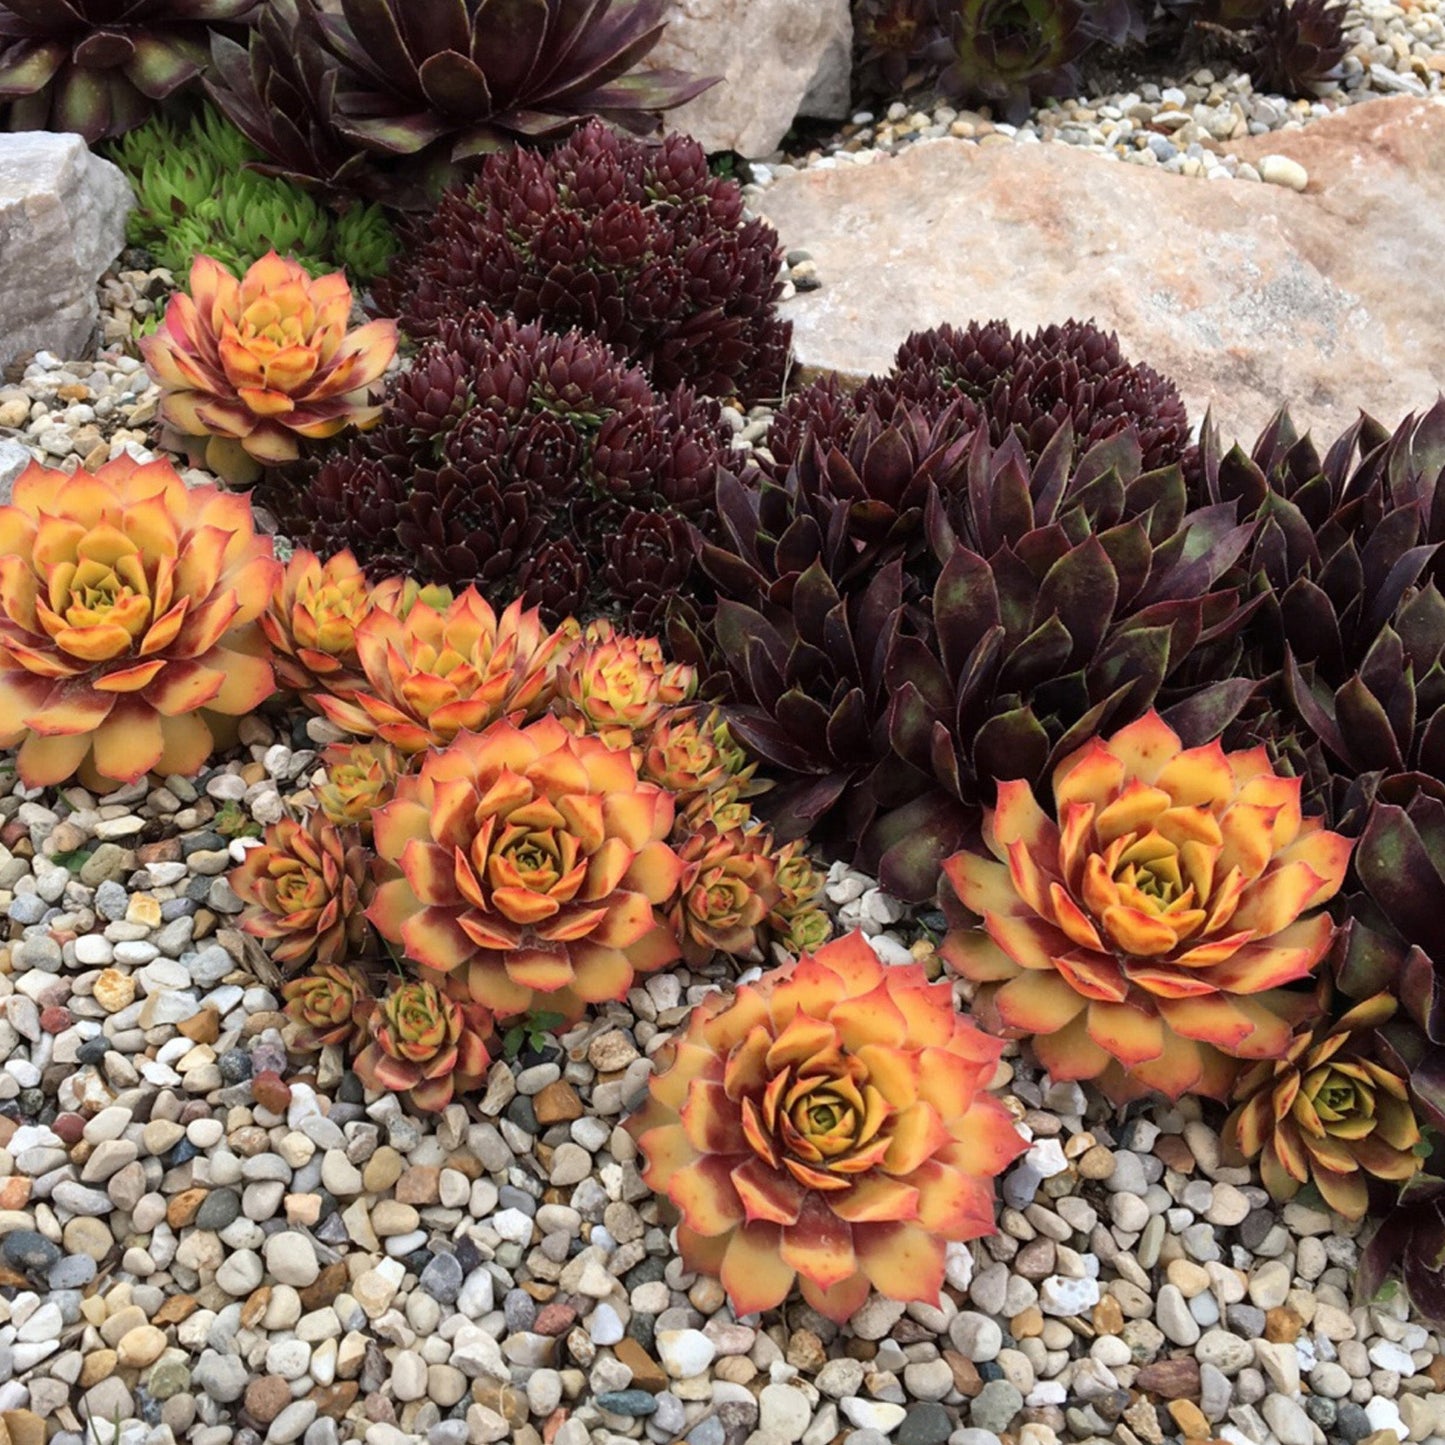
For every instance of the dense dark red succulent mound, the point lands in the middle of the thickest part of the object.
(909, 610)
(638, 244)
(396, 98)
(1028, 385)
(100, 67)
(529, 464)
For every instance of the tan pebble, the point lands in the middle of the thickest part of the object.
(96, 1367)
(735, 1369)
(1027, 1324)
(183, 1207)
(24, 1427)
(1175, 1153)
(421, 1184)
(382, 1170)
(1191, 1419)
(143, 909)
(1097, 1163)
(557, 1104)
(388, 1218)
(1282, 1325)
(302, 1209)
(203, 1027)
(610, 1052)
(647, 1374)
(84, 1235)
(1188, 1278)
(141, 1346)
(176, 1308)
(254, 1310)
(1108, 1318)
(114, 990)
(120, 1322)
(14, 1192)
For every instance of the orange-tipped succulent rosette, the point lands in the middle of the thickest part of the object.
(827, 1125)
(1142, 935)
(253, 364)
(128, 608)
(436, 672)
(425, 1043)
(531, 865)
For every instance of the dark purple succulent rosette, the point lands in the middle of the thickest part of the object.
(100, 67)
(395, 99)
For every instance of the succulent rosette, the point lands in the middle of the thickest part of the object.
(433, 673)
(360, 778)
(828, 1124)
(311, 624)
(307, 885)
(128, 605)
(681, 754)
(426, 1044)
(1144, 934)
(101, 66)
(1328, 1114)
(253, 364)
(618, 687)
(331, 1004)
(531, 864)
(314, 614)
(728, 889)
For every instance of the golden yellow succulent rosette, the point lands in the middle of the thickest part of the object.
(1142, 937)
(531, 865)
(829, 1125)
(128, 608)
(255, 363)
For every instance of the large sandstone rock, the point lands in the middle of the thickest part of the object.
(1247, 295)
(62, 222)
(777, 59)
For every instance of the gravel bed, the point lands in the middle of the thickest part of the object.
(203, 1242)
(1182, 124)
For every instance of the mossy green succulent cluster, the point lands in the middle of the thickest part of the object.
(194, 196)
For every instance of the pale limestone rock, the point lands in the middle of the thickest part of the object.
(1248, 296)
(62, 222)
(777, 59)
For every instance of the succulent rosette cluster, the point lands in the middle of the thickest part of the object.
(128, 611)
(425, 1043)
(393, 99)
(530, 865)
(528, 465)
(639, 245)
(1144, 934)
(311, 623)
(1328, 1114)
(308, 884)
(433, 673)
(247, 367)
(828, 1124)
